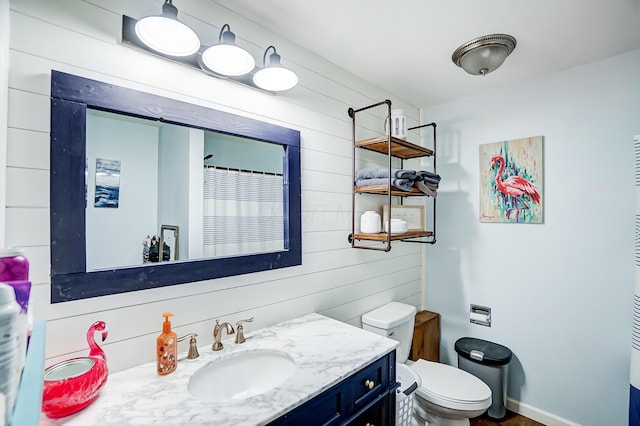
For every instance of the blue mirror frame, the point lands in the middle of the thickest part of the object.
(70, 97)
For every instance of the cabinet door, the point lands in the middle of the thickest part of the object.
(378, 414)
(326, 409)
(368, 383)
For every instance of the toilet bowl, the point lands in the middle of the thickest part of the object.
(447, 396)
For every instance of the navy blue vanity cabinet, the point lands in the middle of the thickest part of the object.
(367, 396)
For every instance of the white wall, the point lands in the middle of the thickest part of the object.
(4, 89)
(561, 292)
(115, 235)
(82, 37)
(180, 164)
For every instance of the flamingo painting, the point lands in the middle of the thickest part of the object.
(71, 385)
(511, 181)
(516, 189)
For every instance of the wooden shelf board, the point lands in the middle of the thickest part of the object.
(399, 147)
(384, 190)
(382, 236)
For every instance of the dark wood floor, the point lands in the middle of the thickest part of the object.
(511, 419)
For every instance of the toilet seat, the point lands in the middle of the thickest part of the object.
(451, 387)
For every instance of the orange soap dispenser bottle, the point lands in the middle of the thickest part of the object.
(167, 345)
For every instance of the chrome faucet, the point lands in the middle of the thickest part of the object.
(217, 334)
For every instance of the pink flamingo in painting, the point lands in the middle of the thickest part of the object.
(71, 385)
(515, 187)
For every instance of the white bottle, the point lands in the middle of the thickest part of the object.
(370, 222)
(9, 333)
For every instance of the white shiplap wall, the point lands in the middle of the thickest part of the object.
(82, 38)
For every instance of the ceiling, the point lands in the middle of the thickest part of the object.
(405, 46)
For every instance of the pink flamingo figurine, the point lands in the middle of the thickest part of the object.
(71, 385)
(515, 187)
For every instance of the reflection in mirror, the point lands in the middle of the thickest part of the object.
(130, 170)
(169, 237)
(224, 192)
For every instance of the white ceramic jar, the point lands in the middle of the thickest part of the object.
(370, 222)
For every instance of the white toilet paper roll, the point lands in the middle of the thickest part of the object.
(475, 316)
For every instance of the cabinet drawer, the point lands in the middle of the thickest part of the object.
(368, 383)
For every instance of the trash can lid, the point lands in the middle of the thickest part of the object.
(483, 351)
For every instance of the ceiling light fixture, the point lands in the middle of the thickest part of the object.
(165, 34)
(226, 57)
(484, 54)
(274, 77)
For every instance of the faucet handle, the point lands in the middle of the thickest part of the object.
(193, 345)
(239, 323)
(240, 328)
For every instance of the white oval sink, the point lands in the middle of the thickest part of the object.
(241, 375)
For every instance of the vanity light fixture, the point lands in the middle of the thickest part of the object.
(274, 77)
(485, 54)
(165, 34)
(226, 57)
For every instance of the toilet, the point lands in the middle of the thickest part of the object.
(447, 396)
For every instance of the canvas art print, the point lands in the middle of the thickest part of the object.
(107, 183)
(511, 185)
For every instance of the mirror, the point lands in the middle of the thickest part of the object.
(101, 244)
(225, 192)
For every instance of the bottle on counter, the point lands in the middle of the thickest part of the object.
(14, 266)
(14, 271)
(167, 346)
(9, 350)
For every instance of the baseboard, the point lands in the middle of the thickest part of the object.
(538, 415)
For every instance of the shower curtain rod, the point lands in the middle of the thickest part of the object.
(242, 170)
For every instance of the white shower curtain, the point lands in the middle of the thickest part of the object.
(243, 212)
(634, 397)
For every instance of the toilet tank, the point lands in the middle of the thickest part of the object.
(394, 320)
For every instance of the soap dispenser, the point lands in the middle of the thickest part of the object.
(167, 345)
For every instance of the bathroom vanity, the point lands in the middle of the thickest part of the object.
(335, 374)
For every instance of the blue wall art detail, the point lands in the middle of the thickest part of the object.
(107, 183)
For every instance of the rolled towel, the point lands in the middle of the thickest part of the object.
(403, 184)
(376, 173)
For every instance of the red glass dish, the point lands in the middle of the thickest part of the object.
(71, 385)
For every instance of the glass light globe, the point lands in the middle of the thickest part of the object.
(228, 59)
(167, 36)
(275, 79)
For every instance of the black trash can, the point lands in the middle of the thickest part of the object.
(489, 362)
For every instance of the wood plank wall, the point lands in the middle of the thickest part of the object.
(83, 38)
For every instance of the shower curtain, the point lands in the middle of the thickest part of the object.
(634, 397)
(243, 212)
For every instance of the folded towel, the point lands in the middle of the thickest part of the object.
(429, 185)
(427, 176)
(426, 189)
(403, 184)
(375, 173)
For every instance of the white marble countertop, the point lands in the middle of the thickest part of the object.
(325, 352)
